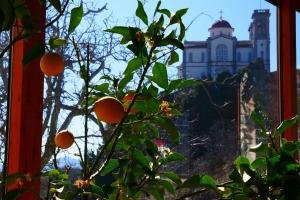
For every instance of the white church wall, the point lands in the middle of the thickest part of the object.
(261, 47)
(225, 41)
(244, 54)
(196, 54)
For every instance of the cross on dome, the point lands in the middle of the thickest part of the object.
(221, 14)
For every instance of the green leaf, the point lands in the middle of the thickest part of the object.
(56, 42)
(53, 173)
(37, 51)
(157, 7)
(153, 130)
(102, 88)
(13, 177)
(165, 12)
(241, 160)
(285, 125)
(174, 156)
(134, 65)
(180, 83)
(258, 120)
(140, 12)
(169, 125)
(182, 31)
(166, 184)
(127, 78)
(172, 176)
(259, 163)
(7, 15)
(155, 193)
(171, 41)
(141, 158)
(56, 4)
(173, 58)
(95, 189)
(13, 194)
(176, 18)
(112, 164)
(160, 75)
(76, 17)
(122, 30)
(260, 148)
(199, 181)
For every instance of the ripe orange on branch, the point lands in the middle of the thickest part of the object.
(109, 110)
(64, 139)
(52, 64)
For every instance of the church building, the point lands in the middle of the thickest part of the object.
(222, 51)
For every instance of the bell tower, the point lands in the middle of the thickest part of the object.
(259, 34)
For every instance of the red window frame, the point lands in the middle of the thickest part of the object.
(25, 148)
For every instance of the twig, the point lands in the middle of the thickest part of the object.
(117, 132)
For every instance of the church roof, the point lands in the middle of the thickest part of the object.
(195, 44)
(245, 44)
(221, 24)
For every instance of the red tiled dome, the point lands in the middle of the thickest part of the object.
(221, 24)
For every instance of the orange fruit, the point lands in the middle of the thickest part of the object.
(127, 99)
(64, 139)
(109, 110)
(52, 64)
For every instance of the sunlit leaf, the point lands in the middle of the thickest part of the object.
(157, 7)
(160, 75)
(174, 58)
(176, 18)
(140, 12)
(122, 30)
(134, 65)
(75, 19)
(126, 79)
(165, 11)
(103, 88)
(112, 164)
(285, 125)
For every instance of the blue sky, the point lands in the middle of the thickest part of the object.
(237, 12)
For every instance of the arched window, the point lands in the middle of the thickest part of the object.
(190, 57)
(202, 57)
(222, 52)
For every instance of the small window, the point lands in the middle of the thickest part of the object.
(190, 57)
(202, 57)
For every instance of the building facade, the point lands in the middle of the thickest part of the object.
(222, 51)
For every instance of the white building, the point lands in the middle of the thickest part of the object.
(222, 51)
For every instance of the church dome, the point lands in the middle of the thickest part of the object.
(221, 24)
